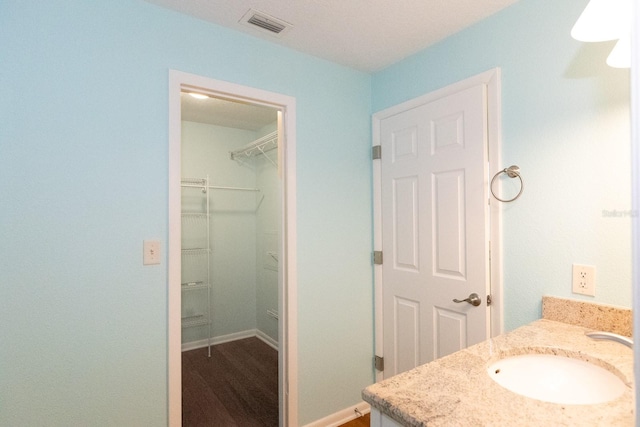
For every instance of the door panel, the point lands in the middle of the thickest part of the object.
(405, 208)
(434, 228)
(450, 330)
(448, 223)
(407, 333)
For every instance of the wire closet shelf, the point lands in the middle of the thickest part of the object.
(195, 263)
(257, 147)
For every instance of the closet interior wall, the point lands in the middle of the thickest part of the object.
(244, 230)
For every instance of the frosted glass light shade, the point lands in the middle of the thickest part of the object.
(603, 20)
(620, 56)
(198, 95)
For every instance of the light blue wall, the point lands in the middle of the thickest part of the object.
(83, 181)
(565, 122)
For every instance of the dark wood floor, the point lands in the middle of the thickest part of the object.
(364, 421)
(236, 387)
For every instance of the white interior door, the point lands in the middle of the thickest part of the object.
(435, 228)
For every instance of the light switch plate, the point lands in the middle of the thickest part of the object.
(151, 254)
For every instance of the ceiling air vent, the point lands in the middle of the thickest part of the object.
(265, 22)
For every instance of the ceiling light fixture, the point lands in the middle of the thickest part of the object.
(620, 56)
(198, 95)
(604, 20)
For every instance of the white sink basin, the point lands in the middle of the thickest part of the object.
(556, 379)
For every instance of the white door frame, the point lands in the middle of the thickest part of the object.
(635, 187)
(287, 327)
(491, 79)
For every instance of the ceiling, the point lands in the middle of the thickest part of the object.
(221, 112)
(366, 35)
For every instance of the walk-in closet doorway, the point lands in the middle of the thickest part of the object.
(231, 252)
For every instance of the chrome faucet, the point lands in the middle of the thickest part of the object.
(598, 335)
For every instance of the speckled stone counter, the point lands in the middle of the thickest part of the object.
(602, 317)
(457, 391)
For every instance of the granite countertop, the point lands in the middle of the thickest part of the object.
(456, 390)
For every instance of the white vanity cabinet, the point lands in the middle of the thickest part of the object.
(378, 419)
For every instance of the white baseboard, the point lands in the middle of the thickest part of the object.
(193, 345)
(342, 417)
(267, 339)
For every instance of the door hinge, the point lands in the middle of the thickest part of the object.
(488, 300)
(378, 362)
(376, 152)
(377, 257)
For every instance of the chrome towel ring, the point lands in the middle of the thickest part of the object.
(512, 172)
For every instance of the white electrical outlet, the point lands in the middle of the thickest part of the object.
(151, 253)
(584, 280)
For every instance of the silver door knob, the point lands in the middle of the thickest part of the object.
(472, 299)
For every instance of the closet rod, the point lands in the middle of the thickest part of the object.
(218, 187)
